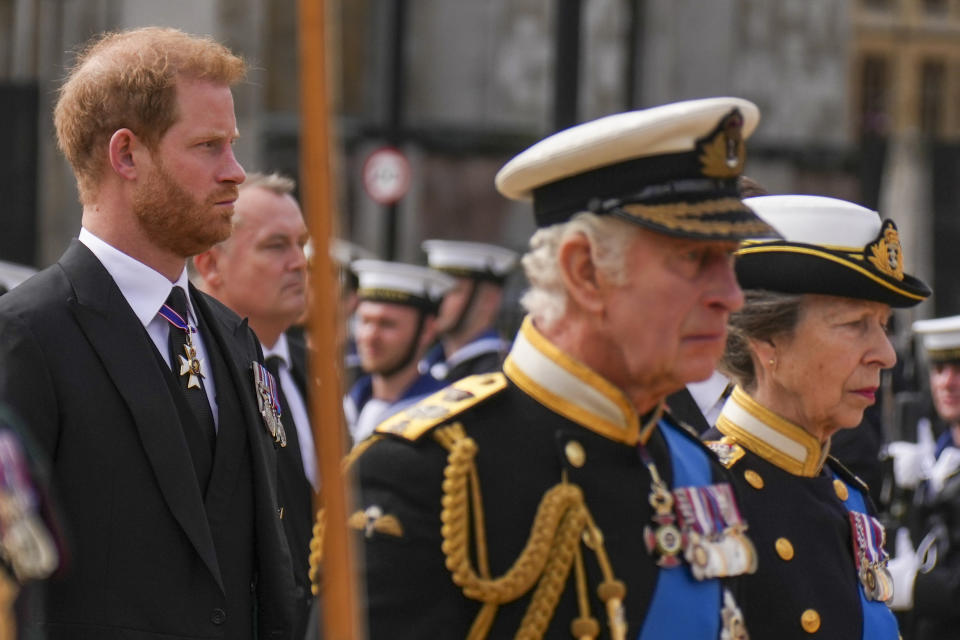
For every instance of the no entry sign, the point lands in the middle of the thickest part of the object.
(386, 175)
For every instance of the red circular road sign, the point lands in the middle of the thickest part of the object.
(386, 175)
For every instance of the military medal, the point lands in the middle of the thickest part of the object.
(715, 541)
(27, 544)
(665, 539)
(870, 556)
(268, 403)
(190, 365)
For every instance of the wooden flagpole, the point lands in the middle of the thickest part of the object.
(338, 597)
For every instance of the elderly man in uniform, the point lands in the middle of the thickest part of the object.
(395, 324)
(149, 397)
(557, 497)
(260, 273)
(469, 342)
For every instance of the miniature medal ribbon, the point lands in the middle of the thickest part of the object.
(870, 556)
(715, 544)
(268, 403)
(174, 318)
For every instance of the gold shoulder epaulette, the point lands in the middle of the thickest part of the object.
(443, 405)
(726, 450)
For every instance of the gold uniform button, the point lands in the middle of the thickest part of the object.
(810, 621)
(841, 489)
(575, 454)
(784, 549)
(753, 479)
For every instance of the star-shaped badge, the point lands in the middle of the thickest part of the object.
(191, 365)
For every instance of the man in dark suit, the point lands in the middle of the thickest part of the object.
(147, 396)
(260, 273)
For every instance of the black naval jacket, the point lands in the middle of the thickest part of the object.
(528, 439)
(78, 366)
(807, 585)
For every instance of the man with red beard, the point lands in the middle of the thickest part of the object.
(260, 272)
(150, 398)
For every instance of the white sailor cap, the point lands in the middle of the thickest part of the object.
(344, 252)
(828, 246)
(400, 283)
(672, 168)
(941, 338)
(470, 259)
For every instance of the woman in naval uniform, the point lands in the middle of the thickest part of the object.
(806, 351)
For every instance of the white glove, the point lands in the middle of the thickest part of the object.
(913, 462)
(903, 570)
(946, 465)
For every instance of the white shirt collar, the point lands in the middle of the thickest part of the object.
(708, 392)
(144, 288)
(281, 349)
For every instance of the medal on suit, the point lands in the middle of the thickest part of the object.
(268, 403)
(191, 365)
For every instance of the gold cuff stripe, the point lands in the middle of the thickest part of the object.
(832, 258)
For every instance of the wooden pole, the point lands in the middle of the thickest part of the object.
(338, 596)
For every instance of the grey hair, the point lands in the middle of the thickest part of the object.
(279, 184)
(546, 300)
(765, 315)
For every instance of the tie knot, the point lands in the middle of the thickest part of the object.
(273, 366)
(177, 300)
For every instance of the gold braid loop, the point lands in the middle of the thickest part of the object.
(316, 550)
(551, 549)
(455, 528)
(544, 603)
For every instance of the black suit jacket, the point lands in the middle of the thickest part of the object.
(77, 364)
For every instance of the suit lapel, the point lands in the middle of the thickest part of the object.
(231, 335)
(124, 348)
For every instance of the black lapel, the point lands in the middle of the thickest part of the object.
(684, 408)
(298, 366)
(240, 350)
(124, 346)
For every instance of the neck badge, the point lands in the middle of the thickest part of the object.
(190, 364)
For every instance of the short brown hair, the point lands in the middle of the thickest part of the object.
(128, 80)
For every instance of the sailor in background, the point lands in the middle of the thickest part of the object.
(469, 341)
(556, 497)
(806, 351)
(928, 579)
(344, 254)
(396, 323)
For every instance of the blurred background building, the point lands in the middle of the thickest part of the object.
(860, 100)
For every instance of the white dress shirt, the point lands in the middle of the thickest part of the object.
(146, 291)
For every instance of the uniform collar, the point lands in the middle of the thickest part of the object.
(570, 388)
(776, 440)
